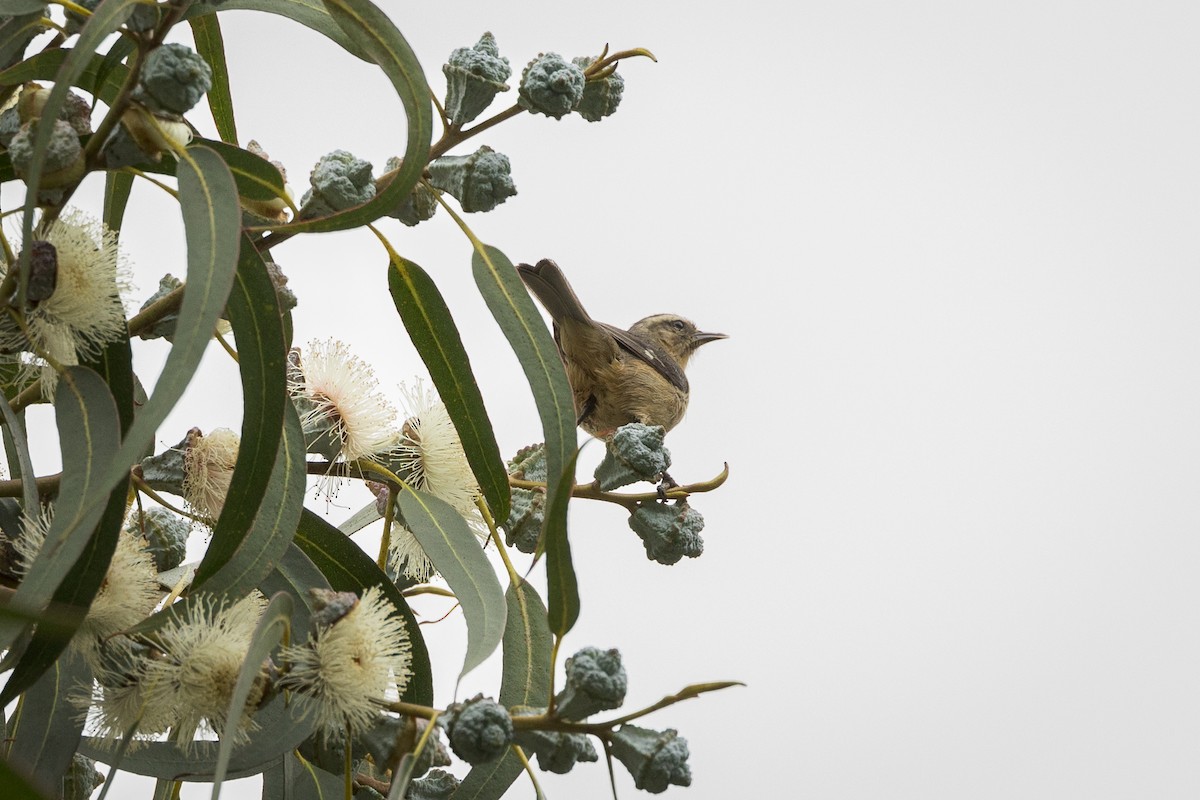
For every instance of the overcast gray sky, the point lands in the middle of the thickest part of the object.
(955, 248)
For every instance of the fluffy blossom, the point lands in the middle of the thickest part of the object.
(184, 684)
(335, 391)
(350, 665)
(84, 309)
(208, 464)
(196, 674)
(430, 457)
(127, 594)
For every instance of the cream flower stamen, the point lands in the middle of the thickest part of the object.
(336, 392)
(208, 463)
(430, 457)
(351, 665)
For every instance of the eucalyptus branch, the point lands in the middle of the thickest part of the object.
(592, 491)
(46, 486)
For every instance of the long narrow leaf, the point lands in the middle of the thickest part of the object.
(269, 632)
(247, 538)
(49, 726)
(525, 682)
(522, 325)
(88, 426)
(434, 334)
(98, 78)
(458, 556)
(378, 36)
(206, 31)
(212, 224)
(309, 13)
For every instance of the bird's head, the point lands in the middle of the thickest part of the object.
(678, 336)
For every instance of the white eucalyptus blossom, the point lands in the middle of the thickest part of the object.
(431, 455)
(338, 391)
(85, 310)
(127, 594)
(195, 674)
(350, 666)
(208, 464)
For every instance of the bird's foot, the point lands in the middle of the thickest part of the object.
(665, 485)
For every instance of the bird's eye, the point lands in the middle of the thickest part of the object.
(677, 325)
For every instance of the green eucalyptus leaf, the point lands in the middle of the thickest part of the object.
(11, 8)
(76, 592)
(15, 34)
(309, 13)
(267, 490)
(490, 780)
(254, 553)
(117, 188)
(211, 219)
(98, 78)
(306, 781)
(88, 427)
(434, 334)
(525, 681)
(17, 785)
(15, 432)
(349, 569)
(527, 649)
(361, 519)
(458, 556)
(256, 178)
(46, 731)
(206, 32)
(378, 36)
(272, 626)
(522, 325)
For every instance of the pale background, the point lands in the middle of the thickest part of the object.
(955, 248)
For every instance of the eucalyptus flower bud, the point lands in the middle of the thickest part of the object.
(635, 453)
(556, 752)
(668, 531)
(82, 779)
(551, 85)
(64, 157)
(339, 181)
(526, 516)
(421, 203)
(174, 78)
(143, 137)
(654, 759)
(480, 730)
(601, 96)
(474, 76)
(436, 785)
(596, 681)
(165, 533)
(480, 181)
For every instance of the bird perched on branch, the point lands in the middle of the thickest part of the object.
(617, 376)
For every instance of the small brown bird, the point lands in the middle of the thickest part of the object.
(617, 376)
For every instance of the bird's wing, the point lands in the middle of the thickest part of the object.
(651, 353)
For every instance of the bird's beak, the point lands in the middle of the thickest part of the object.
(700, 337)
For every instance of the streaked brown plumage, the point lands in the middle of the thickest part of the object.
(617, 376)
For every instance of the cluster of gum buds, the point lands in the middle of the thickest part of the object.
(481, 730)
(667, 525)
(550, 85)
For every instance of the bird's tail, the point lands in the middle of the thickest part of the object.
(550, 286)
